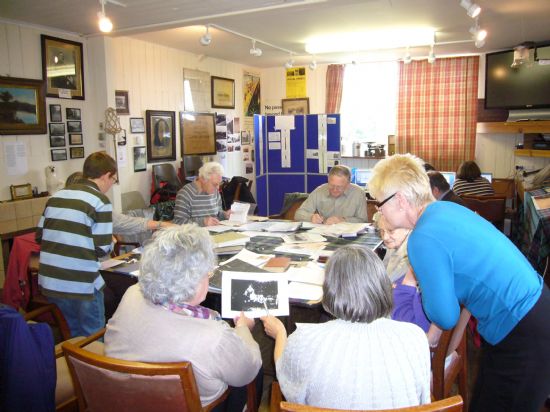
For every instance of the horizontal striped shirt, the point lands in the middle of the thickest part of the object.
(478, 187)
(75, 229)
(192, 206)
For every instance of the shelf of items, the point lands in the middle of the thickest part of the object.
(532, 153)
(531, 126)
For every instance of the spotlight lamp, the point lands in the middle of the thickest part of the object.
(255, 51)
(478, 35)
(472, 9)
(206, 38)
(313, 65)
(431, 56)
(105, 24)
(289, 64)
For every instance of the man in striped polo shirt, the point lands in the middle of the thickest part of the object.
(74, 231)
(200, 201)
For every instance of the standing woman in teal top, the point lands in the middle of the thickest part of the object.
(459, 258)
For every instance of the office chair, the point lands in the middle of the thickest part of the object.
(491, 208)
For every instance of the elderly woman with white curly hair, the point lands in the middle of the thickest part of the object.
(161, 320)
(200, 201)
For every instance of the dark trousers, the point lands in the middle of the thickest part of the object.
(236, 400)
(514, 375)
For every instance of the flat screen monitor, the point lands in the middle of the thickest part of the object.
(488, 176)
(449, 177)
(362, 176)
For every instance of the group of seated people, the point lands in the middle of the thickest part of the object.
(374, 353)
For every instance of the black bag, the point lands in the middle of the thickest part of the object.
(164, 210)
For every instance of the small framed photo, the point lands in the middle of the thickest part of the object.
(121, 102)
(73, 113)
(295, 106)
(77, 152)
(74, 127)
(57, 141)
(19, 192)
(57, 129)
(245, 137)
(137, 125)
(59, 154)
(55, 113)
(140, 159)
(222, 92)
(75, 139)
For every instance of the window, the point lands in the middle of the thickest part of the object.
(369, 104)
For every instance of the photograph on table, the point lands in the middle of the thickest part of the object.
(73, 113)
(77, 152)
(161, 135)
(22, 106)
(74, 127)
(75, 139)
(62, 67)
(59, 154)
(257, 294)
(55, 113)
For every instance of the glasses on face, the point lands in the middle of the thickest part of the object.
(383, 202)
(337, 188)
(114, 178)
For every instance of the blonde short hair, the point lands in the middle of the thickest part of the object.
(402, 173)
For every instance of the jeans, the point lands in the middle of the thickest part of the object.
(84, 317)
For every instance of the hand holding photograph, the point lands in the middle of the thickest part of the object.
(254, 293)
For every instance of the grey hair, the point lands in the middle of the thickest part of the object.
(340, 170)
(174, 262)
(402, 173)
(356, 286)
(209, 169)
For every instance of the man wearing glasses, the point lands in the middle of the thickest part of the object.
(336, 201)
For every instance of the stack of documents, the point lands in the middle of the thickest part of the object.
(230, 239)
(344, 229)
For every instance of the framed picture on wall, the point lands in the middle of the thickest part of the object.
(140, 159)
(74, 126)
(57, 141)
(62, 67)
(222, 92)
(75, 139)
(22, 107)
(77, 152)
(121, 102)
(55, 113)
(73, 113)
(295, 106)
(137, 125)
(57, 129)
(161, 135)
(59, 154)
(197, 133)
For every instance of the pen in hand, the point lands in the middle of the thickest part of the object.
(319, 214)
(266, 309)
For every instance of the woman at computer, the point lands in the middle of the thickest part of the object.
(362, 359)
(459, 258)
(470, 182)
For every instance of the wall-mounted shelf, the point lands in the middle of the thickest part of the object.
(532, 153)
(531, 126)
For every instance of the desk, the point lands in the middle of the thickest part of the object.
(536, 236)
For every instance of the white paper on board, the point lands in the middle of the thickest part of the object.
(122, 156)
(64, 93)
(274, 136)
(285, 149)
(331, 120)
(312, 153)
(15, 158)
(333, 155)
(274, 145)
(284, 122)
(322, 143)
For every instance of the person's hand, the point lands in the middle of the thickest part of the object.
(273, 326)
(227, 213)
(242, 320)
(333, 220)
(211, 221)
(317, 218)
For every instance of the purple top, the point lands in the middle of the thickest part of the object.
(407, 305)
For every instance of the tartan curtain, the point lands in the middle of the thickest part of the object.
(335, 84)
(437, 110)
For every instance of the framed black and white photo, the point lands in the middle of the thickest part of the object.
(77, 152)
(140, 159)
(55, 113)
(137, 125)
(73, 113)
(74, 126)
(252, 293)
(75, 139)
(57, 141)
(57, 129)
(121, 102)
(59, 154)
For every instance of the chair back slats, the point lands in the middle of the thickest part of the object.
(491, 208)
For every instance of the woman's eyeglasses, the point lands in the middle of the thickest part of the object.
(383, 202)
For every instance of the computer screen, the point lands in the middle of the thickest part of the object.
(449, 177)
(362, 176)
(488, 176)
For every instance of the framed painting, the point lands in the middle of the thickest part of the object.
(77, 152)
(121, 102)
(295, 106)
(75, 139)
(57, 129)
(55, 113)
(19, 192)
(22, 106)
(57, 141)
(73, 113)
(59, 154)
(62, 67)
(161, 135)
(140, 159)
(137, 125)
(197, 133)
(74, 126)
(222, 92)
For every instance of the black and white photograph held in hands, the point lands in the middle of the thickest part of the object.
(254, 293)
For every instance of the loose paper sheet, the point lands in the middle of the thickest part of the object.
(15, 158)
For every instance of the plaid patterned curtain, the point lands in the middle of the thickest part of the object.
(437, 110)
(335, 84)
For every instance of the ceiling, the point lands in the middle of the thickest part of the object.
(289, 23)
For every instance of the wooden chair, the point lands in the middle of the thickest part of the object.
(289, 210)
(107, 384)
(453, 404)
(451, 343)
(492, 208)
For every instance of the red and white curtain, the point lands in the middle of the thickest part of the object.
(334, 84)
(437, 110)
